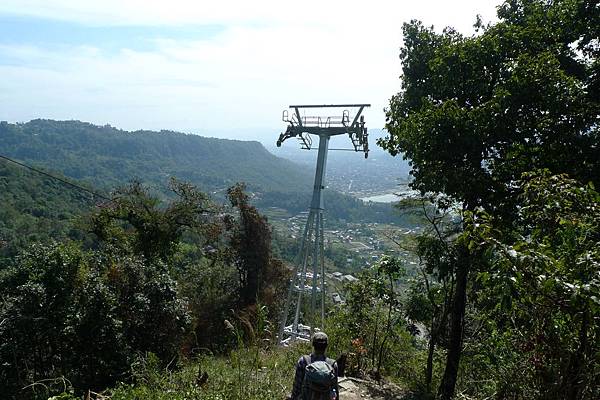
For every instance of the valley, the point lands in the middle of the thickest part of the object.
(105, 158)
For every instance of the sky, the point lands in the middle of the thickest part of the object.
(217, 68)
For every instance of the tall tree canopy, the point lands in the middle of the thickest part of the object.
(261, 275)
(476, 112)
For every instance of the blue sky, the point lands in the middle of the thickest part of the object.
(225, 68)
(56, 34)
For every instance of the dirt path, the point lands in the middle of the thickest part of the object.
(358, 389)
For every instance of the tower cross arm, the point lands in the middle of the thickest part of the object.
(330, 106)
(326, 126)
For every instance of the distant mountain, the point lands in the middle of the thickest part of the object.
(107, 157)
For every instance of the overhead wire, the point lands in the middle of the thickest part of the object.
(59, 179)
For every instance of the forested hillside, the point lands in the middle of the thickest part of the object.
(35, 208)
(106, 157)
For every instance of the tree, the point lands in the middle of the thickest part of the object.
(388, 272)
(474, 113)
(431, 292)
(546, 266)
(137, 221)
(83, 316)
(372, 315)
(261, 275)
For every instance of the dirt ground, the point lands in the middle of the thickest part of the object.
(358, 389)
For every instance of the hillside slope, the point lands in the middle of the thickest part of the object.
(35, 208)
(106, 157)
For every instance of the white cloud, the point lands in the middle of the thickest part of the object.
(320, 12)
(270, 54)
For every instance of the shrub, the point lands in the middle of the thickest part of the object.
(83, 316)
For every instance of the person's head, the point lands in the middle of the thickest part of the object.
(319, 342)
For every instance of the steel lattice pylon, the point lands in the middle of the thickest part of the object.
(311, 252)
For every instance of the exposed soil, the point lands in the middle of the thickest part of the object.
(360, 389)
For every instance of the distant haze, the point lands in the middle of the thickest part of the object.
(348, 171)
(222, 68)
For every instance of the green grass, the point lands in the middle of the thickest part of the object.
(248, 373)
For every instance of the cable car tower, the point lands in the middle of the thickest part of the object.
(309, 269)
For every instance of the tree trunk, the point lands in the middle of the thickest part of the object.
(388, 329)
(577, 360)
(429, 369)
(374, 347)
(446, 389)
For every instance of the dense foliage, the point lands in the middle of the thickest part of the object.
(474, 113)
(35, 208)
(477, 112)
(149, 278)
(260, 274)
(540, 302)
(372, 321)
(83, 316)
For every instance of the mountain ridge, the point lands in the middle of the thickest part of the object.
(105, 158)
(119, 156)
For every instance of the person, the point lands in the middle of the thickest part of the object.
(326, 369)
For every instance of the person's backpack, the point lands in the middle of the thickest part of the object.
(319, 379)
